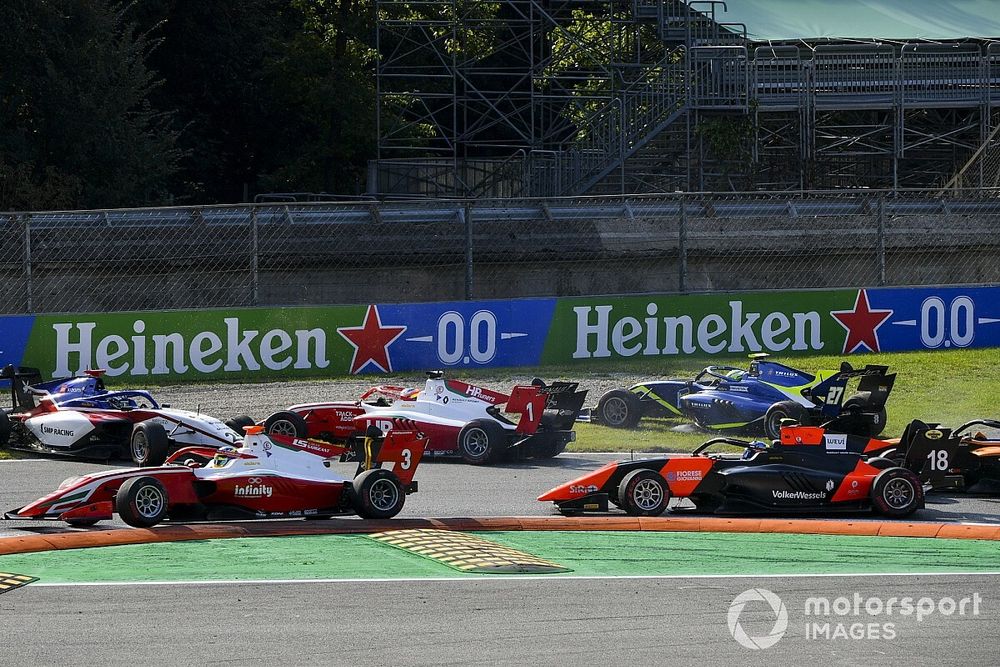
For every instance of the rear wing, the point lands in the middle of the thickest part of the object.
(930, 453)
(553, 407)
(874, 385)
(403, 448)
(20, 378)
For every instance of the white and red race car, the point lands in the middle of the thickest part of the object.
(267, 477)
(457, 417)
(80, 417)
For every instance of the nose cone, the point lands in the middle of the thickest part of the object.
(592, 482)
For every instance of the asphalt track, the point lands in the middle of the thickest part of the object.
(447, 488)
(490, 620)
(536, 620)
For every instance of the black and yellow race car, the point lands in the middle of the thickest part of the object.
(966, 458)
(809, 470)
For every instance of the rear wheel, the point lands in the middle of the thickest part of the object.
(549, 449)
(149, 444)
(878, 422)
(619, 408)
(881, 463)
(481, 441)
(4, 429)
(897, 493)
(286, 423)
(778, 413)
(237, 424)
(378, 494)
(142, 502)
(643, 493)
(878, 419)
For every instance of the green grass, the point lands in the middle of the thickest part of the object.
(947, 387)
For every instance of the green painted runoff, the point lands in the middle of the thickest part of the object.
(587, 553)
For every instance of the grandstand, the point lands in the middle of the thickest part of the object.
(496, 98)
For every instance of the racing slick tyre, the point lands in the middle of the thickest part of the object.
(481, 441)
(897, 493)
(4, 429)
(548, 450)
(619, 408)
(881, 463)
(858, 401)
(237, 423)
(286, 423)
(378, 494)
(142, 502)
(149, 444)
(643, 493)
(778, 412)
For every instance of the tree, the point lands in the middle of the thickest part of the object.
(272, 94)
(76, 127)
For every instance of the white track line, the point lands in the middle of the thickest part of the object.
(505, 577)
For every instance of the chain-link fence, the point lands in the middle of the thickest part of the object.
(295, 254)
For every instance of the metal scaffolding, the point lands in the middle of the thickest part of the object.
(551, 98)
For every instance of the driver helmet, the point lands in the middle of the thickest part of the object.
(736, 374)
(220, 459)
(754, 447)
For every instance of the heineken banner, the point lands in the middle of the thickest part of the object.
(377, 338)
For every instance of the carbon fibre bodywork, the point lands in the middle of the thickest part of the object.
(789, 476)
(729, 399)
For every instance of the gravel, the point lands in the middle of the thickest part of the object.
(260, 399)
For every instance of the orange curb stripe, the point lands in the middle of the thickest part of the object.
(180, 533)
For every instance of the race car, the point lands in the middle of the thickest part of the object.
(27, 387)
(754, 400)
(80, 417)
(458, 418)
(964, 459)
(267, 477)
(808, 471)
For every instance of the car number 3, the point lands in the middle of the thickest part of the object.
(405, 463)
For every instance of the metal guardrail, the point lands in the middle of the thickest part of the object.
(365, 252)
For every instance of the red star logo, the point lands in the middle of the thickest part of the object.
(861, 324)
(371, 341)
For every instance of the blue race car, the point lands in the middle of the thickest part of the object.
(83, 391)
(27, 386)
(757, 399)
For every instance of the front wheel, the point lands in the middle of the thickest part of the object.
(779, 412)
(897, 493)
(481, 441)
(643, 493)
(287, 423)
(142, 502)
(619, 408)
(149, 444)
(378, 494)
